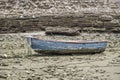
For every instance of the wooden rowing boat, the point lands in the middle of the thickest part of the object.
(41, 45)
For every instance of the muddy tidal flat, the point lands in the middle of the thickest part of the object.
(16, 64)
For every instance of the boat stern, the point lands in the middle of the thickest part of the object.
(29, 39)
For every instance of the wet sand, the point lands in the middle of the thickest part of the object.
(103, 66)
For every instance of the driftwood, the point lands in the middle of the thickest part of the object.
(61, 31)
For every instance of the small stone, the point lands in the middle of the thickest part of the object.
(4, 64)
(28, 72)
(3, 55)
(3, 75)
(82, 78)
(32, 70)
(17, 61)
(61, 79)
(119, 56)
(33, 75)
(38, 78)
(48, 76)
(96, 77)
(29, 79)
(106, 18)
(15, 67)
(53, 79)
(115, 21)
(117, 73)
(1, 39)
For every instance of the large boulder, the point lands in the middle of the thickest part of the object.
(105, 18)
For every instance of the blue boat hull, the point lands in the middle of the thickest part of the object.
(74, 47)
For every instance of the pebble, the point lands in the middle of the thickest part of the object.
(119, 56)
(117, 73)
(100, 71)
(3, 75)
(15, 67)
(82, 78)
(32, 69)
(17, 62)
(4, 64)
(1, 39)
(33, 75)
(29, 79)
(28, 72)
(3, 55)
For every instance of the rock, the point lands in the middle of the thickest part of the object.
(1, 39)
(115, 21)
(28, 72)
(33, 75)
(3, 75)
(17, 62)
(32, 69)
(78, 15)
(29, 79)
(117, 73)
(100, 71)
(61, 31)
(119, 56)
(15, 67)
(4, 64)
(106, 18)
(3, 55)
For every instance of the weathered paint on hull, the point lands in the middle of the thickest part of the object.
(66, 47)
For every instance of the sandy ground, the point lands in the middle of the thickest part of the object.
(104, 66)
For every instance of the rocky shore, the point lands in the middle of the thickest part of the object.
(34, 15)
(98, 23)
(96, 20)
(16, 44)
(16, 64)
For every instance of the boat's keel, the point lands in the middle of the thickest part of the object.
(81, 51)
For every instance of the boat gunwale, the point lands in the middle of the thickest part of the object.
(82, 42)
